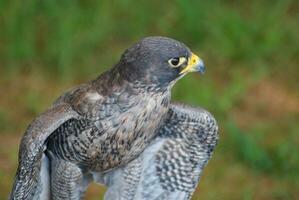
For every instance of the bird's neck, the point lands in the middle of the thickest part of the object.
(115, 80)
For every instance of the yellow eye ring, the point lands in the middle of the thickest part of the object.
(176, 62)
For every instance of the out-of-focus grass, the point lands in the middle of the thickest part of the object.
(251, 50)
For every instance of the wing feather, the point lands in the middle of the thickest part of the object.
(172, 164)
(32, 148)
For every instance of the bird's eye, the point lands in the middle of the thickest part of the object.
(176, 62)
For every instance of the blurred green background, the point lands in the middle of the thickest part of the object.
(251, 51)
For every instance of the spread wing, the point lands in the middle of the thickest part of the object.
(171, 166)
(32, 148)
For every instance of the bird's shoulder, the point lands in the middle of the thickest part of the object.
(193, 121)
(83, 99)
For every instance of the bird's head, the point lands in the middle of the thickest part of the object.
(158, 61)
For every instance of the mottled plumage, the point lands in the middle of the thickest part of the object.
(103, 124)
(170, 167)
(123, 128)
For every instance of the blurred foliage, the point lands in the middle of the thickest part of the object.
(251, 50)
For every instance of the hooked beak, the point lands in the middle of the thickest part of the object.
(195, 64)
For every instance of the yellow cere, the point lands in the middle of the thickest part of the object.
(192, 62)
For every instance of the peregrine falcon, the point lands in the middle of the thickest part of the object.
(104, 124)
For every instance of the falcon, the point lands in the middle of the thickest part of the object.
(104, 124)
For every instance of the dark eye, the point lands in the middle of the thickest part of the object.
(175, 62)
